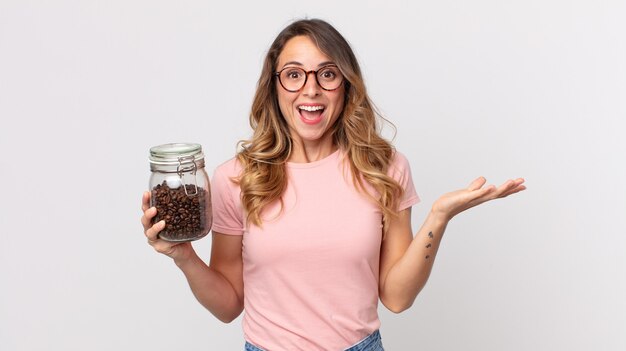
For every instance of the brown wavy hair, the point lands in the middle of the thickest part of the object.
(356, 132)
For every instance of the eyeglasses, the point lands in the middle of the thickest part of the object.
(293, 79)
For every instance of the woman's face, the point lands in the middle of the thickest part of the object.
(310, 112)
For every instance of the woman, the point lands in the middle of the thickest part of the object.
(312, 218)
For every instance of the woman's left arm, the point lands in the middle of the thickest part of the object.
(406, 261)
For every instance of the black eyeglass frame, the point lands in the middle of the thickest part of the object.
(306, 78)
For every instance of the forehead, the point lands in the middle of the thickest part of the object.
(302, 51)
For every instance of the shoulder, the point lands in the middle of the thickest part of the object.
(400, 171)
(398, 163)
(225, 174)
(230, 168)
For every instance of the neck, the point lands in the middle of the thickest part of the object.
(305, 152)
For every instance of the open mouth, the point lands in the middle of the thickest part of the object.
(311, 114)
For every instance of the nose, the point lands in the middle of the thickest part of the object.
(311, 88)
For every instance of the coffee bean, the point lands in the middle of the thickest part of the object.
(185, 215)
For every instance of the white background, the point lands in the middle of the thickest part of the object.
(504, 89)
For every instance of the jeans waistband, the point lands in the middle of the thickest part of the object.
(372, 342)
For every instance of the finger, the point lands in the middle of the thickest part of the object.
(510, 185)
(153, 232)
(502, 189)
(481, 195)
(145, 201)
(484, 191)
(165, 247)
(517, 182)
(515, 190)
(491, 192)
(477, 183)
(146, 219)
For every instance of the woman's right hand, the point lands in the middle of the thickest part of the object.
(178, 251)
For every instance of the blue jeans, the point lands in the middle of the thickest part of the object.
(370, 343)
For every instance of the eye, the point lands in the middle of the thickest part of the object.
(293, 74)
(328, 73)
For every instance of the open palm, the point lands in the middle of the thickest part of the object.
(453, 203)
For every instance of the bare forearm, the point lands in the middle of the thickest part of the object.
(403, 280)
(409, 275)
(211, 289)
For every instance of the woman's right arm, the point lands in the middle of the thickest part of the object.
(218, 286)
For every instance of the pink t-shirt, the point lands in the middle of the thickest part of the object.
(311, 272)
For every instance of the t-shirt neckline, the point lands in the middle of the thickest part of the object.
(317, 163)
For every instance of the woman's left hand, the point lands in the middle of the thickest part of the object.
(453, 203)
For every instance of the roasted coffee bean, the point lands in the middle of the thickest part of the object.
(184, 215)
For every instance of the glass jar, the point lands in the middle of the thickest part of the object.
(180, 191)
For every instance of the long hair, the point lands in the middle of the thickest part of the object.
(356, 132)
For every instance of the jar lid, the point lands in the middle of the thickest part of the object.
(173, 153)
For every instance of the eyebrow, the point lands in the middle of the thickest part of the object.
(325, 63)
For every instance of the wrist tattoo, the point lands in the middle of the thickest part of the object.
(429, 245)
(430, 235)
(427, 256)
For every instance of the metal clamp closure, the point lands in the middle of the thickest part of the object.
(187, 164)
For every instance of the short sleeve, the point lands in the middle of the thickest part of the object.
(225, 200)
(400, 171)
